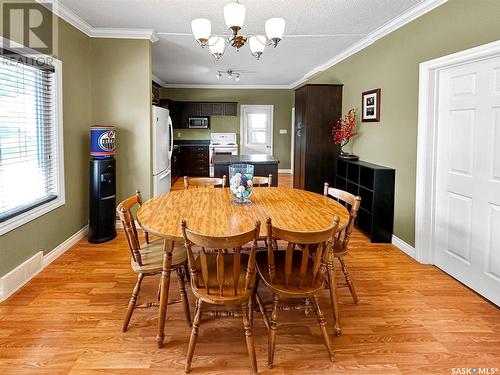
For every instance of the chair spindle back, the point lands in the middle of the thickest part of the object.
(351, 202)
(204, 182)
(212, 276)
(124, 210)
(321, 244)
(262, 181)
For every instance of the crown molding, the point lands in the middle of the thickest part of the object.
(396, 23)
(158, 80)
(99, 32)
(234, 87)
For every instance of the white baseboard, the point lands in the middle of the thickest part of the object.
(403, 246)
(19, 276)
(66, 245)
(284, 171)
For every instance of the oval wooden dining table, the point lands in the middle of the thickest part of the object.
(210, 211)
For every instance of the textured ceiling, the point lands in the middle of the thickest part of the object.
(316, 30)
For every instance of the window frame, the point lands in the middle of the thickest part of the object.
(38, 210)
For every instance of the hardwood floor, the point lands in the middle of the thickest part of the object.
(411, 319)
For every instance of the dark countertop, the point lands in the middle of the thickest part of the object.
(250, 159)
(191, 142)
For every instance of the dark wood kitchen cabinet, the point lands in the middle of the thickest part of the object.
(195, 161)
(317, 109)
(176, 164)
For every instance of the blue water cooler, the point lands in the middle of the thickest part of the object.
(102, 187)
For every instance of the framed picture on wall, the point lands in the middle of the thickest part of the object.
(370, 101)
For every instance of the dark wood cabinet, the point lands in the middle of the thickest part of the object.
(181, 111)
(317, 108)
(230, 109)
(195, 161)
(375, 185)
(176, 164)
(218, 109)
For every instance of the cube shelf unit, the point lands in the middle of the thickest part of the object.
(375, 185)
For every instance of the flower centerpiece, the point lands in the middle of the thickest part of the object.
(343, 131)
(240, 182)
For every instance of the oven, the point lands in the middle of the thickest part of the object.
(224, 150)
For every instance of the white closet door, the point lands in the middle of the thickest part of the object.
(467, 216)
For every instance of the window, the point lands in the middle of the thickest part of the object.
(257, 128)
(31, 178)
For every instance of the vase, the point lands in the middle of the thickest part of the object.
(347, 156)
(240, 182)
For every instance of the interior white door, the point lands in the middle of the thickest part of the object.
(467, 213)
(256, 131)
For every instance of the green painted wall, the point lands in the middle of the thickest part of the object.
(121, 96)
(51, 229)
(392, 64)
(281, 99)
(105, 81)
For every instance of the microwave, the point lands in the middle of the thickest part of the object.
(199, 123)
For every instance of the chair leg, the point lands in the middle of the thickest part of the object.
(272, 332)
(194, 336)
(260, 304)
(184, 298)
(262, 310)
(186, 273)
(133, 300)
(249, 338)
(349, 280)
(307, 308)
(322, 325)
(250, 306)
(333, 294)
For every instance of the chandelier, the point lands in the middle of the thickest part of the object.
(234, 15)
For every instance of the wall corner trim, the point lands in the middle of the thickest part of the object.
(22, 274)
(394, 24)
(403, 246)
(73, 19)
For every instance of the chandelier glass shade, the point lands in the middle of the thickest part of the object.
(234, 16)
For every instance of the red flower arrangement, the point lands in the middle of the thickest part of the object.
(344, 130)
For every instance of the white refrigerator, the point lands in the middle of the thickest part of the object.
(163, 144)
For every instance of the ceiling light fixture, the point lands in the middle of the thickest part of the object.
(230, 74)
(234, 16)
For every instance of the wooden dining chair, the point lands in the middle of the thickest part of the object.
(147, 259)
(291, 273)
(262, 181)
(221, 274)
(204, 182)
(340, 246)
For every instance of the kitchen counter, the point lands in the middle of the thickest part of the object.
(245, 159)
(191, 142)
(264, 165)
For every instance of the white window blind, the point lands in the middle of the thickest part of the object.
(257, 128)
(28, 136)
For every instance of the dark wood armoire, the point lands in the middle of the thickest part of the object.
(317, 109)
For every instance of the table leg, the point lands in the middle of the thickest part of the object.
(333, 293)
(165, 284)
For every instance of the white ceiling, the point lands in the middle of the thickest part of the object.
(316, 31)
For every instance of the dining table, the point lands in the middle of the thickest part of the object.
(211, 211)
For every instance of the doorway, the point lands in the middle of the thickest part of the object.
(256, 129)
(458, 168)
